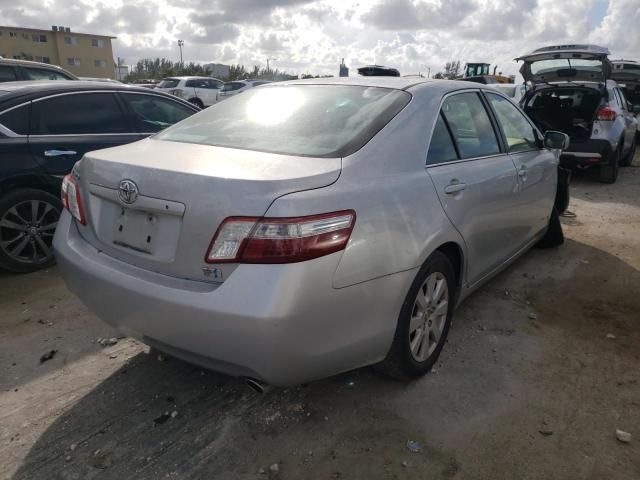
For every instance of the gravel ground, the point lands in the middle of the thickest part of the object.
(542, 366)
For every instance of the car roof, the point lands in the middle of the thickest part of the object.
(191, 77)
(574, 48)
(399, 83)
(29, 63)
(13, 93)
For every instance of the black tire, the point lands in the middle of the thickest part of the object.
(197, 102)
(32, 232)
(609, 172)
(400, 362)
(628, 158)
(554, 236)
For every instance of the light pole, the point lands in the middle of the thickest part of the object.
(180, 45)
(268, 59)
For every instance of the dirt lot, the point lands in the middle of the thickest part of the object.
(541, 368)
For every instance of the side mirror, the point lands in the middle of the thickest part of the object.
(556, 140)
(636, 109)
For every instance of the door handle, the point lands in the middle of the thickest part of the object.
(455, 188)
(58, 153)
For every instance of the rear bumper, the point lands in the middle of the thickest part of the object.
(588, 153)
(283, 324)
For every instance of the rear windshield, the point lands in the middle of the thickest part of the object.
(168, 83)
(545, 66)
(306, 120)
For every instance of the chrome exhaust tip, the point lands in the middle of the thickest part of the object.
(256, 385)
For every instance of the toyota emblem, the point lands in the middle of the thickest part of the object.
(127, 191)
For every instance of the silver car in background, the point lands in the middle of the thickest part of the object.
(307, 228)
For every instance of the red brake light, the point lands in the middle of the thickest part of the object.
(280, 240)
(71, 199)
(606, 114)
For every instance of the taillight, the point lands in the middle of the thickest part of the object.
(71, 199)
(606, 114)
(280, 240)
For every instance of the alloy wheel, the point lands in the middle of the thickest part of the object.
(26, 231)
(428, 316)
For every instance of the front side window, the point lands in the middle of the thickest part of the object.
(305, 120)
(470, 125)
(16, 120)
(152, 113)
(517, 129)
(44, 74)
(441, 148)
(168, 83)
(79, 114)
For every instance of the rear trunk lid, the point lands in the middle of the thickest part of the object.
(566, 63)
(156, 204)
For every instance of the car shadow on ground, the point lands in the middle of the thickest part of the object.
(167, 419)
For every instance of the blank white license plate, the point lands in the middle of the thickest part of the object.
(136, 230)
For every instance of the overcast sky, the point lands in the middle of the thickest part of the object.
(306, 36)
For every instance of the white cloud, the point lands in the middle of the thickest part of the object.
(312, 36)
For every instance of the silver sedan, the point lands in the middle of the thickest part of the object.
(307, 228)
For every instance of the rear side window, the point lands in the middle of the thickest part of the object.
(16, 120)
(441, 148)
(517, 129)
(196, 83)
(152, 113)
(80, 114)
(168, 83)
(44, 74)
(7, 73)
(470, 125)
(305, 120)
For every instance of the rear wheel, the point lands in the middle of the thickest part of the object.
(424, 321)
(609, 172)
(628, 159)
(197, 102)
(28, 219)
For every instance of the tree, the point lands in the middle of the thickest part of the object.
(451, 71)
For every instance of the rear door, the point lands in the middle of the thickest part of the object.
(630, 121)
(150, 113)
(66, 126)
(536, 167)
(476, 182)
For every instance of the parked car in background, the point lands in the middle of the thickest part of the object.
(17, 70)
(201, 91)
(627, 74)
(306, 228)
(45, 128)
(230, 89)
(573, 92)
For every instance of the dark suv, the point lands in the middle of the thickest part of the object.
(16, 70)
(45, 128)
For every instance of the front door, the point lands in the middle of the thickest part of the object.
(65, 127)
(476, 182)
(536, 166)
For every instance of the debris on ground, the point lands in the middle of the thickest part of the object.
(262, 471)
(107, 342)
(48, 356)
(68, 458)
(413, 446)
(350, 383)
(624, 437)
(545, 432)
(73, 446)
(533, 316)
(113, 355)
(161, 358)
(405, 464)
(174, 414)
(44, 322)
(161, 419)
(507, 292)
(100, 460)
(611, 336)
(275, 468)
